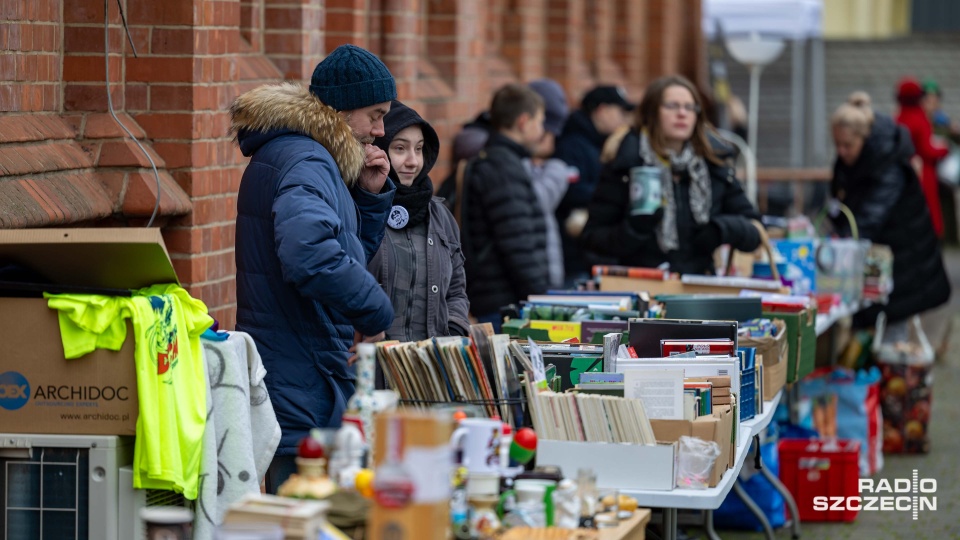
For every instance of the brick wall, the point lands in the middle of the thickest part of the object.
(64, 161)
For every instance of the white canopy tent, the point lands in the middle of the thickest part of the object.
(788, 19)
(798, 22)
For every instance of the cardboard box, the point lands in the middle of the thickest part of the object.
(773, 351)
(620, 466)
(801, 263)
(299, 519)
(801, 341)
(717, 427)
(423, 434)
(671, 286)
(717, 382)
(92, 395)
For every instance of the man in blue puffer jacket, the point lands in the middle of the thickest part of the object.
(310, 214)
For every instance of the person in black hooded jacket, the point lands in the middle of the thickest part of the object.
(703, 203)
(503, 227)
(420, 262)
(874, 178)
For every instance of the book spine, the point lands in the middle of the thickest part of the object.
(629, 272)
(596, 377)
(611, 344)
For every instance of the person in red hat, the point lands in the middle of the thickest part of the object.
(913, 117)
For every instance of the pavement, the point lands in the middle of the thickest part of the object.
(943, 328)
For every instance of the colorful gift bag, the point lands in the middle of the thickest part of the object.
(905, 359)
(906, 395)
(845, 404)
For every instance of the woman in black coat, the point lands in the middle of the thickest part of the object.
(703, 204)
(873, 177)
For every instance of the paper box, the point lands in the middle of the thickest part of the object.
(670, 286)
(773, 352)
(801, 261)
(427, 456)
(801, 342)
(300, 519)
(717, 427)
(97, 393)
(618, 465)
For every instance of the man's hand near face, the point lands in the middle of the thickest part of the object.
(376, 166)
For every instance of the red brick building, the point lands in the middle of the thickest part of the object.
(65, 162)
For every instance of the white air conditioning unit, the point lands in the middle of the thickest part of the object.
(72, 487)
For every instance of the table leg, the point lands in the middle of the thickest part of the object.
(754, 509)
(788, 498)
(669, 524)
(777, 485)
(708, 526)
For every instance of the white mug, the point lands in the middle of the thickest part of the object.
(479, 438)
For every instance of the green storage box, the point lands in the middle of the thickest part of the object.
(801, 342)
(513, 326)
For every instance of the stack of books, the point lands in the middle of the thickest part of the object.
(584, 417)
(481, 369)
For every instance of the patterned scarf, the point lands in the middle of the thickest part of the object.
(701, 197)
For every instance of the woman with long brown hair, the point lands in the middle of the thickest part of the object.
(670, 150)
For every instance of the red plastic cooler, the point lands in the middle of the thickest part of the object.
(812, 468)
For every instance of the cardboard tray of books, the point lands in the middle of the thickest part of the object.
(688, 284)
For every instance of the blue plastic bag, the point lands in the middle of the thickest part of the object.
(733, 514)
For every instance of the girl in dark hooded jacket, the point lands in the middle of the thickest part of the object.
(874, 178)
(420, 262)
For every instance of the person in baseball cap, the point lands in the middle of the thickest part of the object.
(606, 95)
(603, 110)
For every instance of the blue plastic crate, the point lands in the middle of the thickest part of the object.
(748, 399)
(748, 382)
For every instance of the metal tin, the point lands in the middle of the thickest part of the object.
(646, 190)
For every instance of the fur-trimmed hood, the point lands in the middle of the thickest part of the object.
(272, 110)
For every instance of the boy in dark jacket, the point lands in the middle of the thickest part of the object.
(310, 214)
(504, 232)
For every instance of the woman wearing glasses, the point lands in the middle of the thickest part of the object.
(667, 193)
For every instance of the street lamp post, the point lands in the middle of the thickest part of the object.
(755, 52)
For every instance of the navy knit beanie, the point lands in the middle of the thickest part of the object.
(352, 78)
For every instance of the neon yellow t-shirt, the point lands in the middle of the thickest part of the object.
(171, 374)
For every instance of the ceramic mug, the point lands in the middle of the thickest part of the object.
(645, 191)
(479, 439)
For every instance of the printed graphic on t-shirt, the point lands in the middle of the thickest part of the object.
(163, 334)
